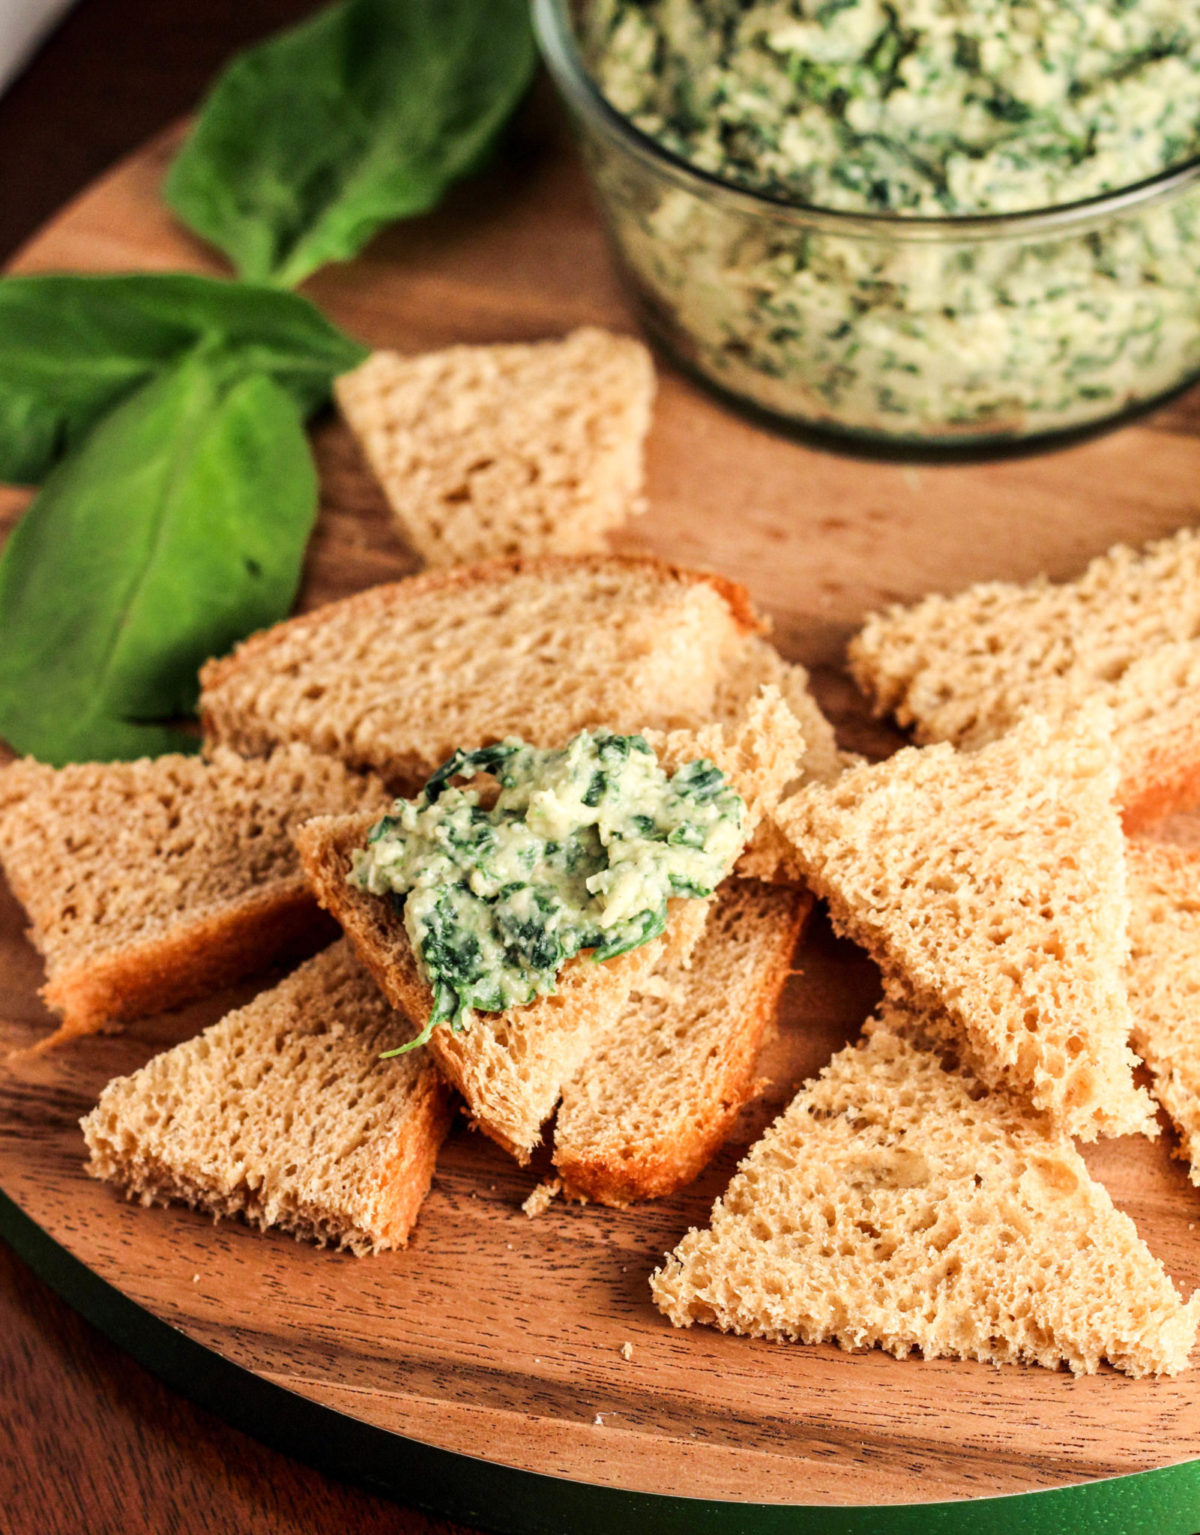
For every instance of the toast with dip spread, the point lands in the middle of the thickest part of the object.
(522, 1045)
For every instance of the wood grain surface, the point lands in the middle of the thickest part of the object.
(495, 1330)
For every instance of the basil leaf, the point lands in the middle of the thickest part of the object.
(176, 527)
(72, 347)
(314, 140)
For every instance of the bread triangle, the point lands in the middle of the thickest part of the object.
(992, 887)
(661, 1086)
(509, 1067)
(485, 452)
(284, 1113)
(148, 883)
(397, 677)
(899, 1205)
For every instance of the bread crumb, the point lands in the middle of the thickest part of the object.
(626, 1350)
(195, 1278)
(542, 1197)
(598, 1420)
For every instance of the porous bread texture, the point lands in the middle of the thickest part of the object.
(509, 1067)
(768, 854)
(757, 664)
(900, 1205)
(1164, 981)
(149, 883)
(397, 677)
(965, 668)
(660, 1088)
(991, 886)
(284, 1113)
(515, 449)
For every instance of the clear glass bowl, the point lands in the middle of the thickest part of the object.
(948, 331)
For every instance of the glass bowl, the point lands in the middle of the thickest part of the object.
(896, 329)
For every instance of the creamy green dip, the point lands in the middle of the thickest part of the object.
(581, 849)
(929, 107)
(936, 107)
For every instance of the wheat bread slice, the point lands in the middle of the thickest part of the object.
(965, 668)
(150, 883)
(900, 1205)
(991, 886)
(517, 449)
(659, 1090)
(1164, 981)
(396, 677)
(509, 1067)
(284, 1113)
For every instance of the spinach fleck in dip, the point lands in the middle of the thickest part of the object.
(581, 849)
(941, 108)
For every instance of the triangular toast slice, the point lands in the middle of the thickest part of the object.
(965, 668)
(900, 1205)
(284, 1113)
(992, 887)
(149, 883)
(520, 448)
(396, 677)
(661, 1086)
(510, 1067)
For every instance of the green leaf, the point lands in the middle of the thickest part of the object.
(176, 527)
(73, 347)
(316, 139)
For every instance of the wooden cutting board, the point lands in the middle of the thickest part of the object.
(501, 1337)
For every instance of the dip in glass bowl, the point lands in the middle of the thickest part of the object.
(929, 225)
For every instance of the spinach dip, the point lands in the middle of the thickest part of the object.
(580, 849)
(934, 109)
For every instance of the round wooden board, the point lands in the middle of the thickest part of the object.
(500, 1337)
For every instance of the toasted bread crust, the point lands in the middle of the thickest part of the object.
(509, 1092)
(464, 578)
(719, 1009)
(284, 1113)
(188, 962)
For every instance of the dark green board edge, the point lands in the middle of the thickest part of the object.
(512, 1502)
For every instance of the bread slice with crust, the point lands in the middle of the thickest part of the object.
(509, 1067)
(659, 1090)
(284, 1113)
(991, 887)
(149, 883)
(485, 452)
(396, 677)
(965, 668)
(902, 1206)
